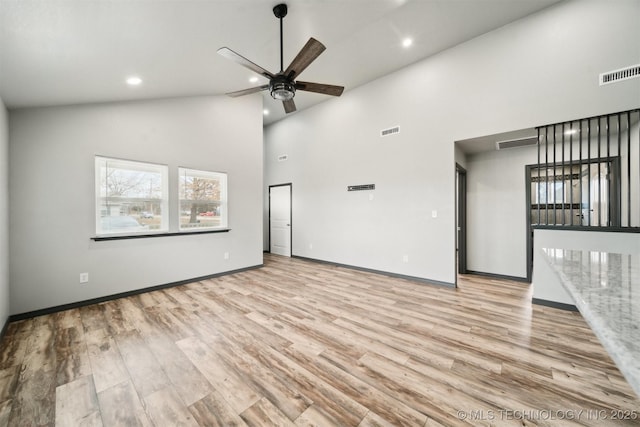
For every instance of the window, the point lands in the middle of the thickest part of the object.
(575, 194)
(131, 197)
(548, 192)
(203, 199)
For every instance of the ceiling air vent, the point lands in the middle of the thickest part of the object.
(619, 75)
(515, 143)
(390, 131)
(361, 187)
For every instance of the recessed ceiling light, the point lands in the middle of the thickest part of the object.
(134, 81)
(407, 42)
(265, 112)
(253, 79)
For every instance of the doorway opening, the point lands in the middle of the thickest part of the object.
(280, 235)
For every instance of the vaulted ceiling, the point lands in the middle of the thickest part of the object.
(58, 52)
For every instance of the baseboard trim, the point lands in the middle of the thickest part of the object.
(55, 309)
(499, 276)
(554, 304)
(4, 328)
(384, 273)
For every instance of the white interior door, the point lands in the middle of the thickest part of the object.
(280, 219)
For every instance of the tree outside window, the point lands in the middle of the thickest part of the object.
(203, 199)
(131, 197)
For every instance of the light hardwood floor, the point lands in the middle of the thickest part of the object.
(303, 343)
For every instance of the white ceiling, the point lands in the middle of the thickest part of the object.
(58, 52)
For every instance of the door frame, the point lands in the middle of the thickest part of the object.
(290, 215)
(461, 223)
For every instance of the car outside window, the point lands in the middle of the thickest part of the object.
(131, 197)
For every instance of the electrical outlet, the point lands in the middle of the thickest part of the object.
(84, 277)
(405, 258)
(226, 255)
(310, 246)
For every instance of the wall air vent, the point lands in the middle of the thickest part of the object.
(390, 131)
(515, 143)
(619, 75)
(282, 157)
(361, 187)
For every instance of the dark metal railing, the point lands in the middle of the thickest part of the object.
(588, 172)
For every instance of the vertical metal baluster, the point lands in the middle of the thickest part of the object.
(589, 173)
(546, 170)
(628, 166)
(539, 186)
(599, 176)
(571, 173)
(564, 188)
(555, 201)
(581, 217)
(608, 174)
(619, 186)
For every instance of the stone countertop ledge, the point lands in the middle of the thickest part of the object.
(606, 289)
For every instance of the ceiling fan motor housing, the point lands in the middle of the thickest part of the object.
(282, 88)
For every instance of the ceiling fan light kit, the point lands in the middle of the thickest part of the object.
(282, 86)
(281, 89)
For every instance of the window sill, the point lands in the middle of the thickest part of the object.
(144, 236)
(587, 228)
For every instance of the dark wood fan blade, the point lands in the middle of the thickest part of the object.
(289, 106)
(248, 91)
(306, 56)
(236, 57)
(320, 88)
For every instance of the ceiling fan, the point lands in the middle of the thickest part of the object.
(283, 85)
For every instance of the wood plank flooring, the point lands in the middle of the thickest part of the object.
(298, 343)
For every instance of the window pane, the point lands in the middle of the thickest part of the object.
(579, 194)
(131, 197)
(203, 199)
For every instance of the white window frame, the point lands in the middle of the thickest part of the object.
(223, 203)
(102, 162)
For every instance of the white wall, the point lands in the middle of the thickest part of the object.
(4, 215)
(542, 69)
(496, 211)
(52, 194)
(460, 157)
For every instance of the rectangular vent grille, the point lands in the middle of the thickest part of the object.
(515, 143)
(390, 131)
(282, 157)
(619, 75)
(361, 187)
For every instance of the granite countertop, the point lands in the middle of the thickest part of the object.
(606, 290)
